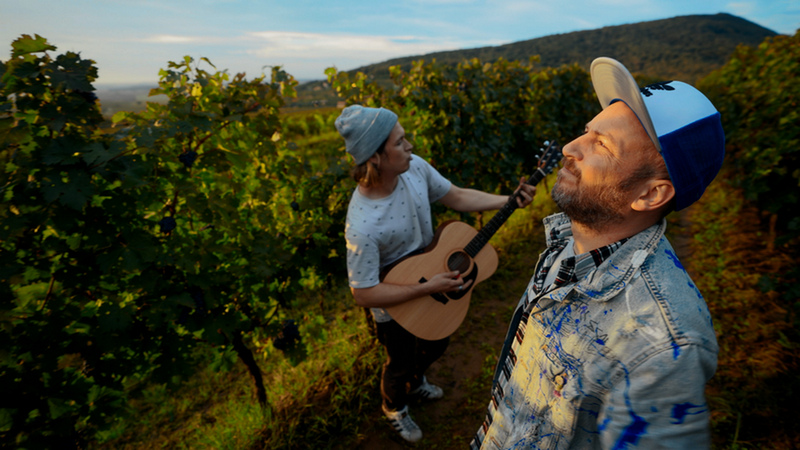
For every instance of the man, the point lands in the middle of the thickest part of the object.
(611, 345)
(389, 216)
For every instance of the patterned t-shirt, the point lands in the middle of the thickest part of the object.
(381, 231)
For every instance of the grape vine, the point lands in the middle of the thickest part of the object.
(124, 248)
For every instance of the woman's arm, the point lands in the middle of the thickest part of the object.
(384, 295)
(470, 200)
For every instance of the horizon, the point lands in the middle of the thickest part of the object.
(131, 40)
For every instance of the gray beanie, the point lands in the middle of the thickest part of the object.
(364, 129)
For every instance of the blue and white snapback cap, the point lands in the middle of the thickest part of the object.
(682, 123)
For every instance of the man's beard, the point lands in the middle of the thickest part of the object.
(595, 207)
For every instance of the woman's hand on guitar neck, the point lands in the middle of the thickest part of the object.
(384, 295)
(524, 193)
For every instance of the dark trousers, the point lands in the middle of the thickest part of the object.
(408, 359)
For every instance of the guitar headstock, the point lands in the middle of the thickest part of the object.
(550, 157)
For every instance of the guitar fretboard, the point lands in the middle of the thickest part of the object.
(486, 233)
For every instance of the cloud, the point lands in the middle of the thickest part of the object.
(175, 39)
(170, 39)
(305, 55)
(278, 42)
(741, 8)
(348, 50)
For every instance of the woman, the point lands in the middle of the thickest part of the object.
(389, 216)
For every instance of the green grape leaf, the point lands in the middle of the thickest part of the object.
(6, 419)
(74, 192)
(58, 407)
(11, 132)
(75, 198)
(26, 45)
(72, 72)
(113, 318)
(28, 297)
(120, 116)
(60, 150)
(97, 153)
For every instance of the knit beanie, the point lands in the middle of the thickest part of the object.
(364, 129)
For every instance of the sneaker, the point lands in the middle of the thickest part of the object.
(403, 424)
(428, 391)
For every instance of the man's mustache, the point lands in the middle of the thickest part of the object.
(569, 164)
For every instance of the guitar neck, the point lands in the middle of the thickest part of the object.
(486, 233)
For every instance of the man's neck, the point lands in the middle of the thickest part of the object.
(587, 239)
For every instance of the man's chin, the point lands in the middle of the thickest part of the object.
(589, 213)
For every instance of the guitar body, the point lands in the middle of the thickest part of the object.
(455, 246)
(438, 316)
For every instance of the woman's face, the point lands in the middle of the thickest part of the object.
(397, 153)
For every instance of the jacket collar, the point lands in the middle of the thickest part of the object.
(616, 272)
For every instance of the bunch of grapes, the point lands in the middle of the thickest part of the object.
(188, 158)
(90, 97)
(167, 224)
(198, 297)
(288, 337)
(199, 301)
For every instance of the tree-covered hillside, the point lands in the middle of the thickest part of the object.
(683, 48)
(686, 47)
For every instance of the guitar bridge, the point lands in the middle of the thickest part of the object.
(439, 297)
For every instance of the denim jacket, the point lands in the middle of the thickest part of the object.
(618, 359)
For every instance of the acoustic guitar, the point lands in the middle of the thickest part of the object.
(455, 246)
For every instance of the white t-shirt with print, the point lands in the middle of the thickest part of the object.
(379, 232)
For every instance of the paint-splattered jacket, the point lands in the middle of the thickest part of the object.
(618, 359)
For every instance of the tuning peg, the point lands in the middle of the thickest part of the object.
(546, 143)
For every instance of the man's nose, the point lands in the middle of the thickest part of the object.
(573, 149)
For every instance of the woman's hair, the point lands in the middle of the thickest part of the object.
(367, 174)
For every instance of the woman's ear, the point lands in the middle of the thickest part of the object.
(375, 159)
(654, 194)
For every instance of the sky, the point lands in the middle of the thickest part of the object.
(131, 40)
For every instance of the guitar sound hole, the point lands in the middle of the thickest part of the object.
(459, 261)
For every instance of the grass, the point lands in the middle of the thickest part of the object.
(210, 410)
(308, 401)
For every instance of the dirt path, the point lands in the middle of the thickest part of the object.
(451, 421)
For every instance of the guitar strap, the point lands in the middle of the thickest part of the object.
(524, 307)
(385, 270)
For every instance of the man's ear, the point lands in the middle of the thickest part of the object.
(653, 195)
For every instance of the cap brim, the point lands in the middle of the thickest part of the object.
(612, 82)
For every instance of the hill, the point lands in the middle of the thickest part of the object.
(684, 47)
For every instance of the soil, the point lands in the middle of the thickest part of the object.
(451, 421)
